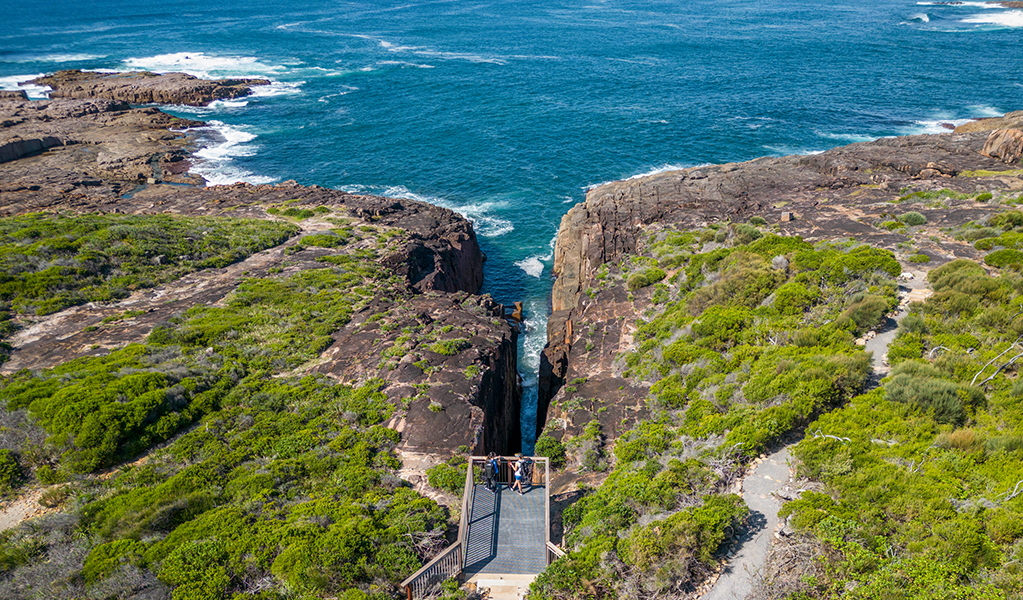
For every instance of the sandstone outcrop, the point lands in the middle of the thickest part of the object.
(146, 88)
(1004, 144)
(844, 193)
(98, 147)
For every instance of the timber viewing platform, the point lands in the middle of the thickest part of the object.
(503, 537)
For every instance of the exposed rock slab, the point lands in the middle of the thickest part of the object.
(98, 148)
(146, 88)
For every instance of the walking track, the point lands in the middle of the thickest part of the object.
(749, 555)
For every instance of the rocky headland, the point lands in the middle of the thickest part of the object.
(201, 363)
(95, 154)
(672, 343)
(852, 192)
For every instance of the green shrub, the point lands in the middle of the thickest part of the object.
(105, 257)
(758, 221)
(972, 235)
(10, 470)
(913, 218)
(547, 446)
(449, 347)
(940, 397)
(1004, 258)
(647, 276)
(866, 312)
(719, 327)
(669, 548)
(919, 258)
(906, 346)
(1010, 219)
(107, 558)
(447, 477)
(983, 197)
(745, 234)
(794, 298)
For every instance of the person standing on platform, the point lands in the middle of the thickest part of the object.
(517, 486)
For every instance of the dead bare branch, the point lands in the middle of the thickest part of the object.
(989, 363)
(1015, 492)
(999, 369)
(821, 434)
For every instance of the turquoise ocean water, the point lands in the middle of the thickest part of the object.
(507, 111)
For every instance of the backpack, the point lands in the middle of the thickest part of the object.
(527, 469)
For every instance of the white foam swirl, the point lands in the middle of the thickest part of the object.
(221, 144)
(16, 83)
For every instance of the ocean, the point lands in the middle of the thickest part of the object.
(508, 111)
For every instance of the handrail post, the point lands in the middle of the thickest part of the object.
(464, 518)
(547, 499)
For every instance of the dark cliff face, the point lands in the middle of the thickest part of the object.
(449, 359)
(843, 193)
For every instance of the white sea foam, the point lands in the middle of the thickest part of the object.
(276, 88)
(847, 137)
(655, 171)
(972, 4)
(480, 214)
(920, 18)
(207, 67)
(326, 99)
(56, 58)
(534, 340)
(532, 266)
(402, 63)
(221, 144)
(781, 150)
(428, 52)
(211, 67)
(1009, 18)
(14, 83)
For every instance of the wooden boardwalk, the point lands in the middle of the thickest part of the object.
(503, 537)
(506, 531)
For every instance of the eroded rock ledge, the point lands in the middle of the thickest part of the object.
(843, 193)
(146, 88)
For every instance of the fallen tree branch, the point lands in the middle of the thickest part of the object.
(999, 369)
(821, 434)
(988, 364)
(1015, 491)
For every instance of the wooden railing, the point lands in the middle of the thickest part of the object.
(553, 552)
(426, 581)
(451, 561)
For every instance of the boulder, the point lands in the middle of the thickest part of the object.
(1004, 144)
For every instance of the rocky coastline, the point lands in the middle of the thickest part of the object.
(89, 151)
(144, 87)
(850, 192)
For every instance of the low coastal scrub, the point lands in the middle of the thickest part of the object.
(923, 474)
(50, 262)
(254, 483)
(758, 341)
